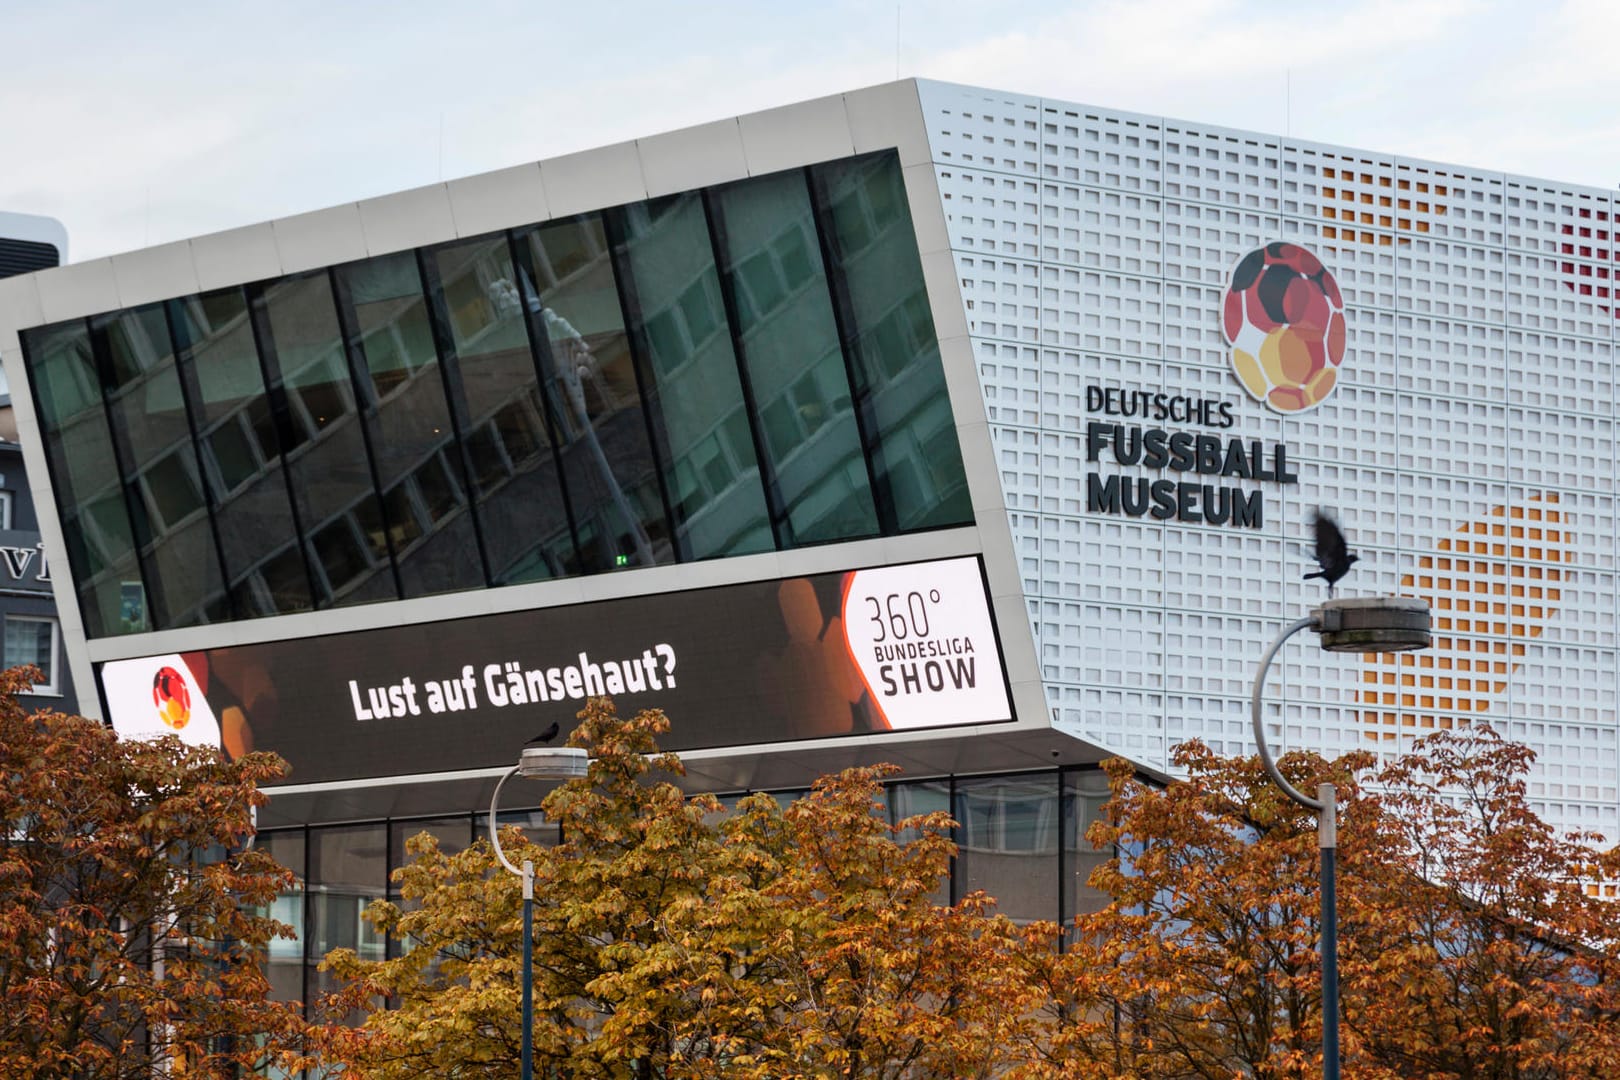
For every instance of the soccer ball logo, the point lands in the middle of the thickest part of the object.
(172, 699)
(1284, 318)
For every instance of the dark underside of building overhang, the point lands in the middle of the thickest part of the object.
(920, 755)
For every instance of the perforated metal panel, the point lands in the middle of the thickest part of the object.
(1468, 447)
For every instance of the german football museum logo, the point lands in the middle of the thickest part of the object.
(172, 698)
(1284, 318)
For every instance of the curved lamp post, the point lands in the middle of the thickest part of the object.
(1375, 625)
(535, 763)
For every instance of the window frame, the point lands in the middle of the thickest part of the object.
(53, 685)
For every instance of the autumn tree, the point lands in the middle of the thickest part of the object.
(858, 972)
(1203, 964)
(672, 940)
(1469, 946)
(635, 855)
(1489, 953)
(130, 943)
(800, 940)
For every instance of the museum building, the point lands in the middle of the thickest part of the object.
(973, 432)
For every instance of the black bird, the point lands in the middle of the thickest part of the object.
(1332, 554)
(545, 736)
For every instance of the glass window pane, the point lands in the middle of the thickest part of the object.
(516, 490)
(328, 464)
(795, 365)
(1084, 794)
(453, 834)
(613, 484)
(912, 800)
(1008, 842)
(431, 531)
(538, 828)
(240, 454)
(32, 641)
(84, 472)
(153, 436)
(695, 394)
(916, 458)
(348, 869)
(286, 963)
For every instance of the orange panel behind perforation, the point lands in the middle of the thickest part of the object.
(1475, 668)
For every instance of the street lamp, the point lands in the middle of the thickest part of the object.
(1374, 625)
(535, 763)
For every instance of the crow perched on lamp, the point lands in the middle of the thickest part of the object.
(1332, 553)
(545, 736)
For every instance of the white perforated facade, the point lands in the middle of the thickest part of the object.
(1468, 447)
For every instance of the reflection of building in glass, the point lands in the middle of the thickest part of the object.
(570, 397)
(888, 329)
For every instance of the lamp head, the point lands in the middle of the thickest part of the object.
(1376, 624)
(553, 762)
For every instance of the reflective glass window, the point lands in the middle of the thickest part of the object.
(32, 641)
(84, 472)
(153, 436)
(240, 454)
(913, 800)
(1007, 837)
(717, 373)
(425, 517)
(510, 461)
(789, 341)
(613, 483)
(285, 968)
(348, 869)
(538, 828)
(1084, 794)
(326, 452)
(452, 833)
(699, 414)
(894, 349)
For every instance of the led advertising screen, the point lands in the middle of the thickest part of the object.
(858, 652)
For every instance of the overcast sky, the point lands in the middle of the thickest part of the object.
(138, 123)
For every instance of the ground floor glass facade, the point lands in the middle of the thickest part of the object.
(1020, 838)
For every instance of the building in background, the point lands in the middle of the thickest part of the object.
(29, 242)
(974, 432)
(29, 632)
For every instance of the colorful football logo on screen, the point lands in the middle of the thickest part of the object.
(1284, 318)
(172, 698)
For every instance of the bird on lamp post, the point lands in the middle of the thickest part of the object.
(1332, 552)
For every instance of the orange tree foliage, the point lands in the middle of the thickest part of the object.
(1487, 956)
(1468, 945)
(672, 940)
(129, 942)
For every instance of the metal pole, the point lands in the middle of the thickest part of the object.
(527, 1067)
(1327, 832)
(1256, 706)
(526, 1061)
(1326, 808)
(535, 763)
(494, 833)
(1383, 625)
